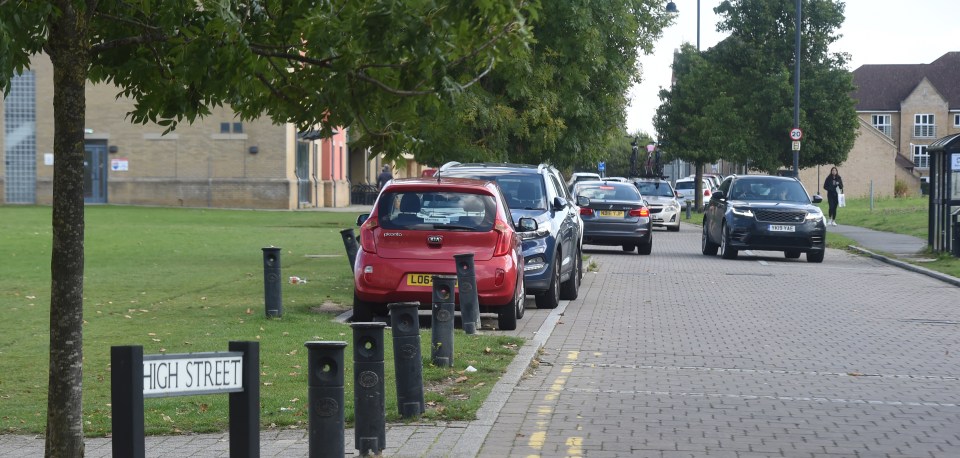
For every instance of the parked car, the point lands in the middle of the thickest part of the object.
(662, 201)
(686, 188)
(761, 212)
(613, 214)
(416, 227)
(552, 254)
(581, 176)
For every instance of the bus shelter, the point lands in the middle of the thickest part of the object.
(944, 226)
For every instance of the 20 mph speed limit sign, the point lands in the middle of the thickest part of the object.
(796, 134)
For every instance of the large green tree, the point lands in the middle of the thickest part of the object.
(562, 100)
(372, 64)
(736, 99)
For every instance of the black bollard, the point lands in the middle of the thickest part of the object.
(469, 302)
(369, 398)
(441, 327)
(407, 361)
(272, 299)
(325, 399)
(688, 209)
(350, 243)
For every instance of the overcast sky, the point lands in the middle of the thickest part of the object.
(874, 32)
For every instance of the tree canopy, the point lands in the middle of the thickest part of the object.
(563, 100)
(735, 100)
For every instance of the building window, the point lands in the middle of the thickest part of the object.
(238, 127)
(956, 120)
(920, 156)
(224, 127)
(923, 126)
(882, 123)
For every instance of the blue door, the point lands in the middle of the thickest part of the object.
(95, 173)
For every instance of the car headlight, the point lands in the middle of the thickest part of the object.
(815, 215)
(674, 205)
(534, 263)
(539, 233)
(742, 212)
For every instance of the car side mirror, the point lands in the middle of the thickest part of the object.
(527, 225)
(362, 219)
(583, 201)
(817, 198)
(677, 194)
(559, 203)
(718, 195)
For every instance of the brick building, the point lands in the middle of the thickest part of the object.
(218, 161)
(902, 109)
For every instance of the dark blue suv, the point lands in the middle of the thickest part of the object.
(553, 265)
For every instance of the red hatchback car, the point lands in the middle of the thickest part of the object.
(418, 225)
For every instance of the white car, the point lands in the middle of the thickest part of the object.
(582, 176)
(687, 186)
(664, 206)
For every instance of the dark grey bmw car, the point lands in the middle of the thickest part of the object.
(764, 213)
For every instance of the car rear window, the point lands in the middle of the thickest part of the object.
(684, 185)
(523, 191)
(661, 189)
(437, 210)
(600, 192)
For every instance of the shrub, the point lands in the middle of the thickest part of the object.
(900, 188)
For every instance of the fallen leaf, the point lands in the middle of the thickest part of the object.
(461, 379)
(249, 312)
(204, 407)
(151, 334)
(487, 350)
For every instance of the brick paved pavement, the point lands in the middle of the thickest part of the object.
(678, 354)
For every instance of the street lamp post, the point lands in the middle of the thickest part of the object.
(796, 92)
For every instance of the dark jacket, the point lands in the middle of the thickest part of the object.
(833, 184)
(383, 178)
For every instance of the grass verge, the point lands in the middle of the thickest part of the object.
(191, 280)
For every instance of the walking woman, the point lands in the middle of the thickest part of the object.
(834, 187)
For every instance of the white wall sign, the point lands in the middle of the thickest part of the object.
(119, 164)
(192, 373)
(47, 158)
(955, 162)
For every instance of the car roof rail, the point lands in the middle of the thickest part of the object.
(542, 167)
(448, 165)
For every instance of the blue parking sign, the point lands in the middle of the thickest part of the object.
(601, 166)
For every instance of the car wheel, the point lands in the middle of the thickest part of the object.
(815, 256)
(570, 289)
(706, 246)
(646, 248)
(791, 254)
(674, 228)
(726, 251)
(362, 310)
(550, 298)
(507, 318)
(629, 248)
(521, 297)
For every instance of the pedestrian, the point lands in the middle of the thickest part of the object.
(384, 177)
(834, 187)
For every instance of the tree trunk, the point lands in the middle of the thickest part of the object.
(68, 47)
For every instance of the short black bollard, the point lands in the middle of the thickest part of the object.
(688, 209)
(325, 399)
(469, 301)
(441, 327)
(272, 299)
(369, 397)
(350, 243)
(407, 361)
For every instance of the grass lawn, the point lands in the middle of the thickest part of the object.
(191, 280)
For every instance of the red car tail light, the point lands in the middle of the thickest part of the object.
(642, 212)
(499, 276)
(504, 240)
(706, 192)
(366, 236)
(584, 211)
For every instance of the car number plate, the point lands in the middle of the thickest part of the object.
(420, 280)
(616, 213)
(782, 228)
